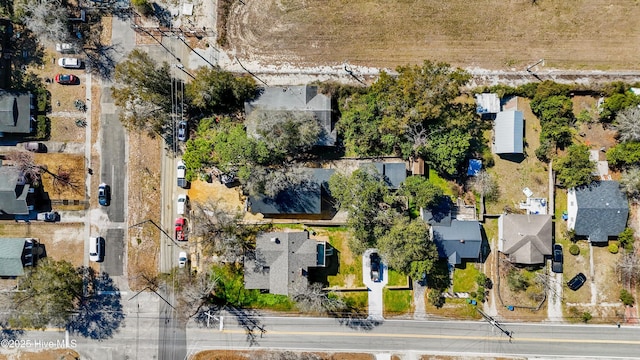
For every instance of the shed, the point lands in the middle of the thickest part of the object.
(508, 132)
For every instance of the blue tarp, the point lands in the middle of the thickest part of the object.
(475, 166)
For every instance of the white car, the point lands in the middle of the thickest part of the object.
(70, 63)
(182, 259)
(181, 173)
(182, 204)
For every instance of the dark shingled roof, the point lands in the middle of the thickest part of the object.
(13, 191)
(603, 210)
(305, 198)
(527, 239)
(15, 113)
(297, 98)
(393, 173)
(281, 259)
(460, 240)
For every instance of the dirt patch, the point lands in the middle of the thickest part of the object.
(59, 164)
(493, 35)
(64, 129)
(144, 204)
(59, 354)
(261, 354)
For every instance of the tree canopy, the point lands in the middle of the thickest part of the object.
(143, 90)
(47, 294)
(46, 19)
(616, 103)
(215, 91)
(628, 124)
(630, 183)
(365, 197)
(575, 169)
(624, 155)
(406, 247)
(420, 191)
(419, 101)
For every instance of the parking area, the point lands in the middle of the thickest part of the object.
(375, 280)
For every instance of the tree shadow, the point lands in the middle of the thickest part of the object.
(357, 320)
(100, 59)
(100, 312)
(248, 319)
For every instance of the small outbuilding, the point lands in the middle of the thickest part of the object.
(508, 132)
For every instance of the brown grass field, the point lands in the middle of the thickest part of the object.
(583, 34)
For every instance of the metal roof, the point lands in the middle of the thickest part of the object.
(508, 132)
(11, 250)
(393, 173)
(13, 192)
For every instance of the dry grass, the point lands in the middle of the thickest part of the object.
(262, 354)
(64, 129)
(62, 241)
(144, 204)
(58, 354)
(599, 34)
(56, 163)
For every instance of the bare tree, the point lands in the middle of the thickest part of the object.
(312, 298)
(25, 162)
(630, 183)
(628, 268)
(47, 19)
(485, 185)
(221, 230)
(194, 293)
(270, 182)
(628, 124)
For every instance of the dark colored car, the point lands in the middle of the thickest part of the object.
(557, 260)
(375, 266)
(182, 131)
(577, 281)
(104, 194)
(67, 79)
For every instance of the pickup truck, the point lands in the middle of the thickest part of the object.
(180, 228)
(181, 170)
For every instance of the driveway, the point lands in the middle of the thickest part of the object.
(376, 308)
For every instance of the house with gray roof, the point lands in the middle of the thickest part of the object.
(307, 198)
(14, 192)
(393, 173)
(283, 260)
(526, 239)
(15, 113)
(304, 98)
(508, 132)
(458, 241)
(16, 254)
(597, 211)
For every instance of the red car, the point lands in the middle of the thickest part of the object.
(67, 79)
(180, 228)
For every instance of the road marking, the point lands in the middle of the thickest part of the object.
(452, 337)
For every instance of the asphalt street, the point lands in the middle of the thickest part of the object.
(114, 251)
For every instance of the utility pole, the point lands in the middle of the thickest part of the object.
(496, 324)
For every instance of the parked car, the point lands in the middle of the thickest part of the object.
(104, 194)
(180, 229)
(35, 147)
(181, 171)
(182, 131)
(70, 63)
(557, 260)
(181, 204)
(67, 79)
(50, 216)
(182, 259)
(577, 281)
(375, 266)
(65, 48)
(96, 249)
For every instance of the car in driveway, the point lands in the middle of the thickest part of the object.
(577, 281)
(182, 259)
(67, 79)
(181, 204)
(51, 216)
(65, 48)
(558, 259)
(374, 260)
(36, 147)
(104, 194)
(180, 227)
(70, 63)
(182, 131)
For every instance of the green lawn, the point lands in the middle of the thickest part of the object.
(396, 278)
(350, 269)
(396, 301)
(464, 279)
(443, 184)
(356, 299)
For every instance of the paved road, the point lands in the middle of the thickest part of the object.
(114, 252)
